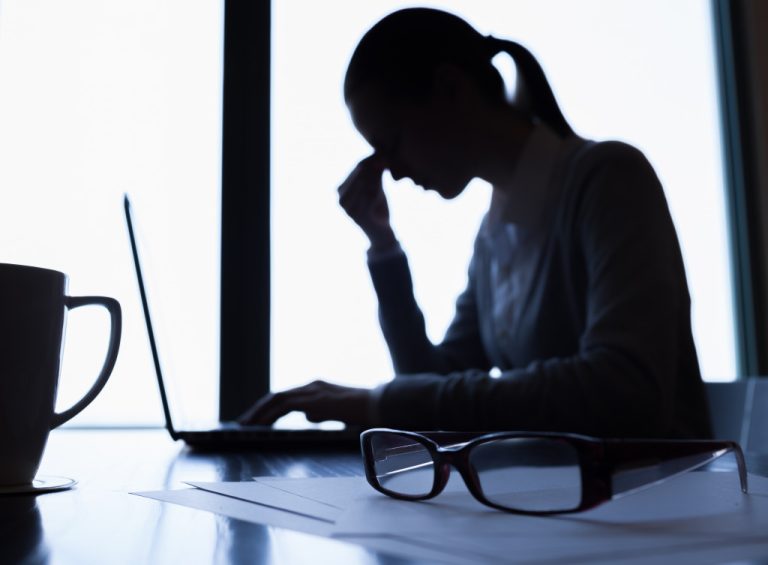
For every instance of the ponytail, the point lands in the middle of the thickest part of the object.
(538, 93)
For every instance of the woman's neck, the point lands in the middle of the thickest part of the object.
(501, 135)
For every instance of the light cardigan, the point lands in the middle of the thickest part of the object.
(576, 293)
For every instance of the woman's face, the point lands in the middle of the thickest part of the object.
(423, 141)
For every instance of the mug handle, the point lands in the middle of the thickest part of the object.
(115, 314)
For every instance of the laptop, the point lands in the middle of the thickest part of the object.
(229, 435)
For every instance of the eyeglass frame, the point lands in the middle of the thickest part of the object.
(599, 459)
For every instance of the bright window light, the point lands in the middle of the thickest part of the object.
(97, 99)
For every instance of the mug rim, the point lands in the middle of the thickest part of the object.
(32, 268)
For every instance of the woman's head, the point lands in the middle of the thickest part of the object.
(401, 53)
(419, 83)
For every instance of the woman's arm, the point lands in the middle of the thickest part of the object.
(402, 323)
(362, 197)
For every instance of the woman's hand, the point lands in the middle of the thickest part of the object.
(362, 197)
(318, 400)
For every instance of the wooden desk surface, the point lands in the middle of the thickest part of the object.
(99, 522)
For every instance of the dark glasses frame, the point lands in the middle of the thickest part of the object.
(600, 461)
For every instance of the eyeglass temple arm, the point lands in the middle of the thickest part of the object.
(624, 455)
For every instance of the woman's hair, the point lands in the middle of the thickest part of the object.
(400, 54)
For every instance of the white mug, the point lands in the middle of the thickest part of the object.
(33, 303)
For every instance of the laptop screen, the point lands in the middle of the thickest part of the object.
(174, 416)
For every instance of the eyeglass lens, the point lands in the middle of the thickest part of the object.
(530, 474)
(402, 466)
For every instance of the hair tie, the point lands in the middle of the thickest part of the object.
(493, 44)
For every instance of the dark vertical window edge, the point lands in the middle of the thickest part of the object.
(245, 207)
(740, 181)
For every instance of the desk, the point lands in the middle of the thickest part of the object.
(98, 522)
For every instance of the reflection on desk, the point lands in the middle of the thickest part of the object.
(99, 522)
(21, 531)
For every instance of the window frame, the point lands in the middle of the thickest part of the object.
(740, 73)
(245, 207)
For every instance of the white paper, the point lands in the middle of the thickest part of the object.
(699, 517)
(260, 493)
(241, 510)
(339, 492)
(691, 502)
(682, 517)
(260, 514)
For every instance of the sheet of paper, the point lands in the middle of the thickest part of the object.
(260, 514)
(691, 502)
(260, 493)
(696, 518)
(691, 517)
(241, 510)
(339, 492)
(597, 549)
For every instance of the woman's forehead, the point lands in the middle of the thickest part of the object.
(372, 112)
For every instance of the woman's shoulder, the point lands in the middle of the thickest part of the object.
(608, 164)
(611, 176)
(590, 154)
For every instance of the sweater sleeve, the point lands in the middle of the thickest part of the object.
(402, 324)
(621, 380)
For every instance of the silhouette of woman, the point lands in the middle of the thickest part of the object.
(576, 289)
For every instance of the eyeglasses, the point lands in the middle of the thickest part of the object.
(530, 473)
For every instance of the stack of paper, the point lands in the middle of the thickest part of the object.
(698, 517)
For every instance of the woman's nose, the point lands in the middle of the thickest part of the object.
(396, 171)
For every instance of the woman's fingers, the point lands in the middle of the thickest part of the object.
(366, 175)
(319, 400)
(362, 197)
(274, 406)
(365, 188)
(250, 415)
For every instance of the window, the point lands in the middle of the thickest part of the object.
(101, 98)
(612, 82)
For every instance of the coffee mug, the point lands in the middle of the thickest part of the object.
(33, 303)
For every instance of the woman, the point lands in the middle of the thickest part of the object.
(576, 289)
